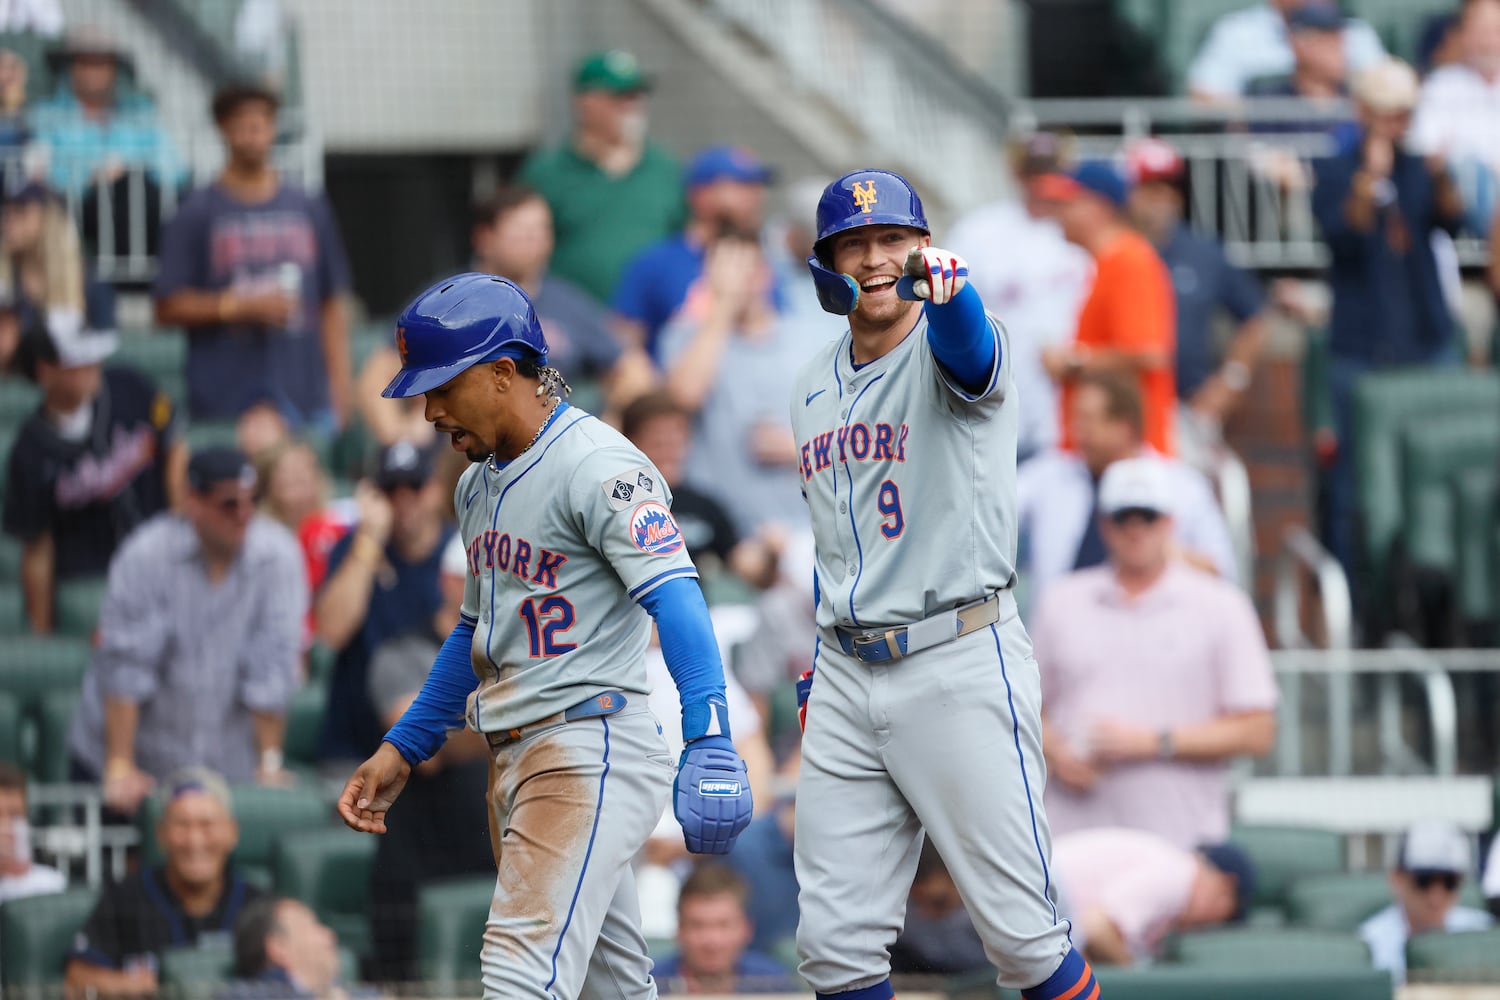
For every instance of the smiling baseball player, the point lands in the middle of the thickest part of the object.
(569, 533)
(924, 708)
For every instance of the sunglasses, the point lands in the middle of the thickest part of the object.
(1120, 518)
(1425, 880)
(233, 505)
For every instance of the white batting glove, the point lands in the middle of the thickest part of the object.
(937, 275)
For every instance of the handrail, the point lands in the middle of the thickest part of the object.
(1302, 552)
(1232, 484)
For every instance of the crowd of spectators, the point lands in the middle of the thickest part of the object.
(676, 296)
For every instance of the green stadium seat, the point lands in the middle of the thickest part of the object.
(1476, 509)
(1177, 983)
(209, 435)
(162, 354)
(1317, 399)
(12, 611)
(1178, 27)
(36, 934)
(1284, 854)
(35, 664)
(196, 973)
(12, 746)
(1435, 449)
(329, 869)
(10, 556)
(54, 719)
(1384, 404)
(450, 927)
(1285, 949)
(18, 398)
(76, 612)
(304, 723)
(263, 814)
(1337, 902)
(1466, 952)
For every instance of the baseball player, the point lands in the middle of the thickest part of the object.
(569, 535)
(924, 708)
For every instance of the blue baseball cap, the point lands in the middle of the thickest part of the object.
(733, 163)
(1091, 176)
(1317, 15)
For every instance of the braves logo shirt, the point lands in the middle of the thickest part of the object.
(562, 543)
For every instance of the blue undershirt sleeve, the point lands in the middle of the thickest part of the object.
(440, 705)
(692, 653)
(963, 340)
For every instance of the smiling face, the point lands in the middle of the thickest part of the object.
(874, 256)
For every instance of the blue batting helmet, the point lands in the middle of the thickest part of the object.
(861, 198)
(459, 322)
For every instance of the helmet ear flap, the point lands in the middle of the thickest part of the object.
(837, 293)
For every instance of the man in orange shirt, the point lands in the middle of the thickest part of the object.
(1128, 322)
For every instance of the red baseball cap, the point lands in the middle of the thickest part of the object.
(1153, 160)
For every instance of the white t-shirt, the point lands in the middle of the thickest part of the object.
(1459, 116)
(1386, 934)
(39, 880)
(1035, 282)
(1252, 43)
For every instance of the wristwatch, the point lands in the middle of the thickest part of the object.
(1236, 375)
(1164, 746)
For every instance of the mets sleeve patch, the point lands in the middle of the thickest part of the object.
(653, 530)
(630, 488)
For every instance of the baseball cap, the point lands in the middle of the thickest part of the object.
(1153, 160)
(1135, 484)
(219, 464)
(403, 464)
(63, 339)
(31, 191)
(615, 71)
(1435, 846)
(1388, 86)
(1232, 860)
(1315, 16)
(1040, 153)
(735, 163)
(190, 780)
(1097, 177)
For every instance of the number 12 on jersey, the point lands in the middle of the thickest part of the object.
(545, 620)
(889, 503)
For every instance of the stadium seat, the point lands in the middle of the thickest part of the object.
(10, 555)
(12, 747)
(1178, 26)
(329, 870)
(263, 813)
(54, 719)
(196, 973)
(36, 934)
(1384, 404)
(77, 609)
(36, 664)
(1336, 902)
(18, 398)
(209, 435)
(1468, 952)
(12, 610)
(1176, 983)
(304, 724)
(161, 354)
(1476, 509)
(1282, 855)
(1434, 450)
(1284, 948)
(450, 919)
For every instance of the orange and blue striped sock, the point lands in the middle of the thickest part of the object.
(1073, 980)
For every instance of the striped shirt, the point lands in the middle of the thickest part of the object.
(197, 656)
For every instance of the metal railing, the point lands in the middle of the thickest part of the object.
(76, 833)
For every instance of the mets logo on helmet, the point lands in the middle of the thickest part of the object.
(864, 196)
(401, 343)
(653, 530)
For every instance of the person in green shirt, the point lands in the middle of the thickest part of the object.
(611, 190)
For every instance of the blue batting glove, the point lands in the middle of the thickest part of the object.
(712, 797)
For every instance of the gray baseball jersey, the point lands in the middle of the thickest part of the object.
(562, 543)
(911, 482)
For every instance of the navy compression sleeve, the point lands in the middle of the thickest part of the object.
(692, 654)
(963, 340)
(422, 729)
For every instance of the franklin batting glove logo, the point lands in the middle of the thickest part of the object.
(719, 787)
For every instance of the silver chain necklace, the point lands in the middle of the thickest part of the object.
(543, 426)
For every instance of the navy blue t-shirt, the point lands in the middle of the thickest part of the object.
(656, 283)
(754, 973)
(577, 329)
(402, 601)
(1204, 280)
(216, 242)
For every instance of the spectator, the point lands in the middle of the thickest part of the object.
(1320, 69)
(1031, 277)
(1129, 889)
(763, 858)
(1058, 495)
(713, 937)
(1253, 43)
(1434, 860)
(382, 583)
(43, 268)
(165, 691)
(1458, 116)
(438, 805)
(1126, 323)
(10, 336)
(20, 876)
(98, 456)
(612, 191)
(41, 17)
(1210, 383)
(254, 268)
(939, 938)
(1378, 206)
(14, 131)
(726, 358)
(726, 194)
(282, 951)
(295, 495)
(103, 135)
(1440, 43)
(1154, 675)
(192, 897)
